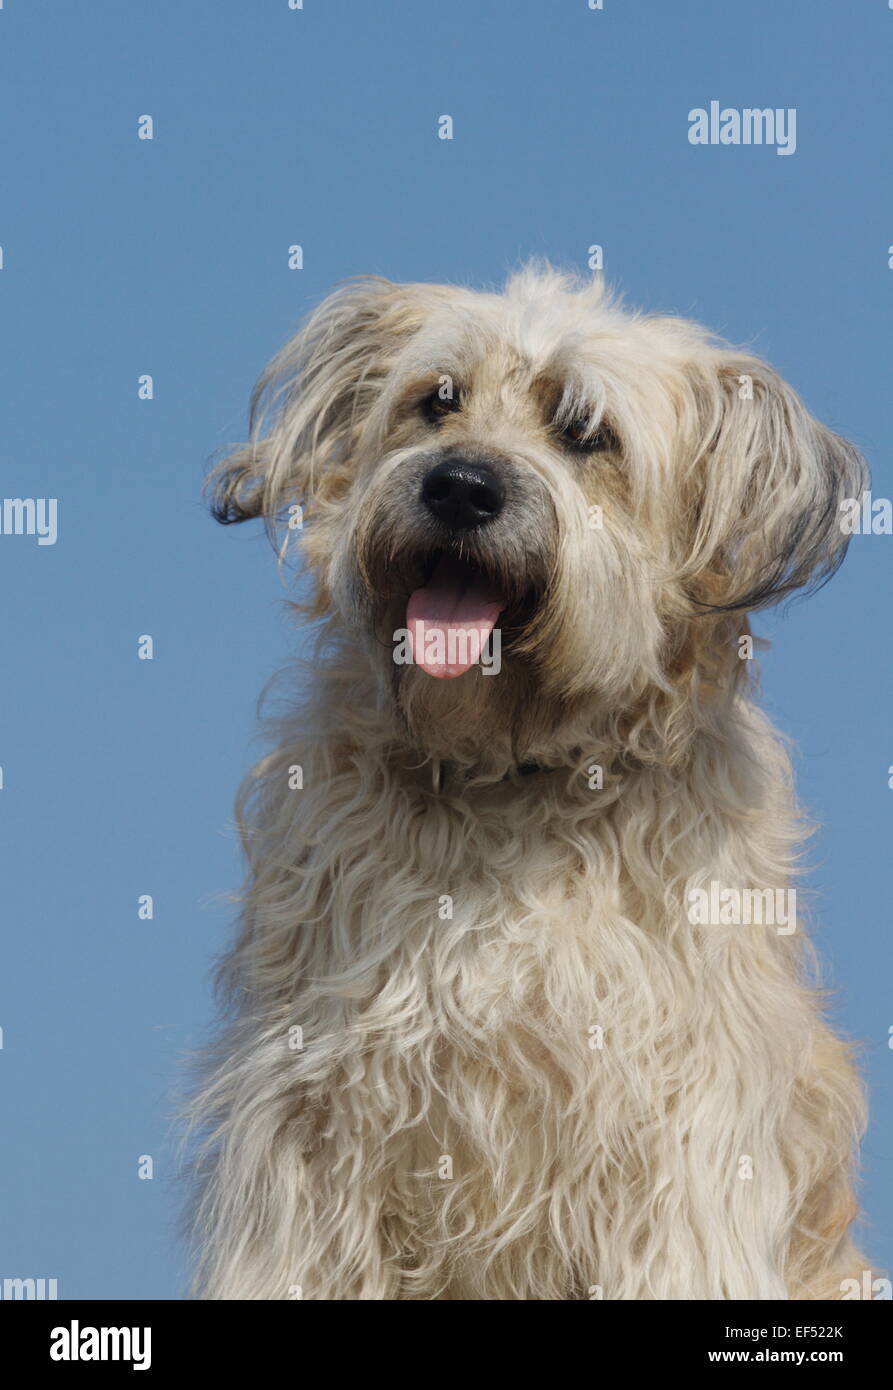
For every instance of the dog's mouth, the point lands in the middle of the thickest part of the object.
(452, 614)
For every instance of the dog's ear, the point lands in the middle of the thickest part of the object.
(307, 408)
(767, 480)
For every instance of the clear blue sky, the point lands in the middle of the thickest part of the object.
(123, 257)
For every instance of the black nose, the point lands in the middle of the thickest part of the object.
(462, 494)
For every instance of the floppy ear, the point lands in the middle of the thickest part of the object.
(769, 480)
(308, 405)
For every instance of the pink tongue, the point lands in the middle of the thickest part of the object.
(450, 620)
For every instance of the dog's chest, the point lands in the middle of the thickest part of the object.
(507, 939)
(518, 981)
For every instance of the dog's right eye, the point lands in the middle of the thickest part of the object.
(437, 405)
(579, 435)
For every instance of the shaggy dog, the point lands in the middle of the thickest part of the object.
(519, 1008)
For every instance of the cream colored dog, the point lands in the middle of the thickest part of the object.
(518, 1008)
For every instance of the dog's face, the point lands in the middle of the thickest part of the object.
(588, 493)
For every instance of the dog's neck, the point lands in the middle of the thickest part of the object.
(454, 747)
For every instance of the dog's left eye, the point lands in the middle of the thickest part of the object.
(436, 406)
(579, 434)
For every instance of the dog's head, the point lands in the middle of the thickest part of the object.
(597, 497)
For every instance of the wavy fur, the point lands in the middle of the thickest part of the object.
(451, 1127)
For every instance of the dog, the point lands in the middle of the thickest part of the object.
(480, 1042)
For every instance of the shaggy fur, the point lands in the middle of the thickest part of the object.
(525, 1074)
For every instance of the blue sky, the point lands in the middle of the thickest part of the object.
(122, 257)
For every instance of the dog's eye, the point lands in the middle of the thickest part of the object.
(436, 406)
(579, 434)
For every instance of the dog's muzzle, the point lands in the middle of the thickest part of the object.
(459, 604)
(454, 549)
